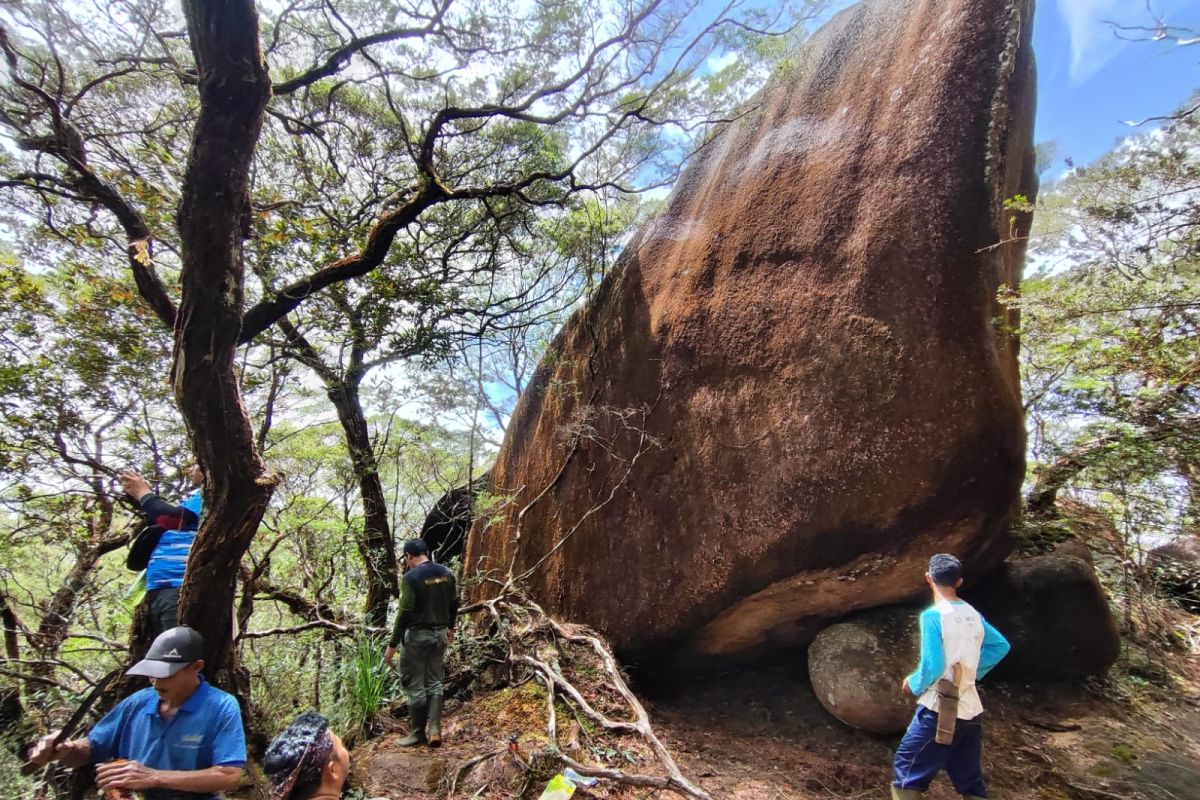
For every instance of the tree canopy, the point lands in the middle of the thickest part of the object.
(204, 204)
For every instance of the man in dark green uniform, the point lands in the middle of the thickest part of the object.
(424, 626)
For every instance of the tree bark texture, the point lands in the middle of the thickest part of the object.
(1190, 470)
(234, 88)
(12, 629)
(376, 544)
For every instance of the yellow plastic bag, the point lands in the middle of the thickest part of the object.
(559, 788)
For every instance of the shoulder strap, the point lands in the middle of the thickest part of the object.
(142, 547)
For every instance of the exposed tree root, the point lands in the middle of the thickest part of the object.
(532, 642)
(466, 767)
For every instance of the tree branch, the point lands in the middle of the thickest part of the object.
(269, 311)
(342, 56)
(65, 145)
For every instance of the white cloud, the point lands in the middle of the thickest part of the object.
(717, 63)
(1092, 42)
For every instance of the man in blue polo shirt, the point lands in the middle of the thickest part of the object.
(180, 739)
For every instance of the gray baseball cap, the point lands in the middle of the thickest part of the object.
(173, 650)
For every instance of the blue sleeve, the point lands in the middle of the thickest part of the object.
(995, 647)
(194, 503)
(933, 657)
(105, 736)
(229, 739)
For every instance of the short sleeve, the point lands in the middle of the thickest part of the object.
(229, 738)
(105, 736)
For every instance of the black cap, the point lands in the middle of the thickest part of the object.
(416, 547)
(945, 569)
(173, 650)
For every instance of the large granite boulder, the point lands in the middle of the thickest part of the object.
(1054, 612)
(855, 667)
(798, 383)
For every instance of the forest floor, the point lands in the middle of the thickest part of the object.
(762, 735)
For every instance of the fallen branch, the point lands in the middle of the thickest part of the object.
(669, 783)
(347, 630)
(1050, 725)
(1090, 792)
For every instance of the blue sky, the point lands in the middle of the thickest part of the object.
(1090, 82)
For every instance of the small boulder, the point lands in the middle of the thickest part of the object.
(1175, 567)
(855, 666)
(1055, 614)
(381, 769)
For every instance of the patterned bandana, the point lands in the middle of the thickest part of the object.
(297, 757)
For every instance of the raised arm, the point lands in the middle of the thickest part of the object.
(182, 517)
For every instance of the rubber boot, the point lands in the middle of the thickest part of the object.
(906, 794)
(435, 721)
(416, 720)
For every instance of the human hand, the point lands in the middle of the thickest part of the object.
(904, 685)
(389, 655)
(133, 484)
(43, 753)
(121, 774)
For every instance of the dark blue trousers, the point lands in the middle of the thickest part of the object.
(919, 758)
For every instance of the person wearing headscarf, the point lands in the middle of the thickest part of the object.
(307, 761)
